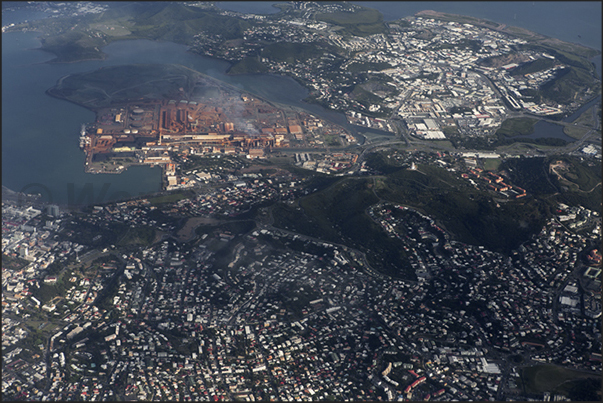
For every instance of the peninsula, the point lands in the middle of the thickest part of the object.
(147, 114)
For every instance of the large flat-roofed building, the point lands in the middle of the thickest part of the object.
(431, 124)
(256, 153)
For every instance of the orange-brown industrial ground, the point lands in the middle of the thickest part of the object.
(243, 122)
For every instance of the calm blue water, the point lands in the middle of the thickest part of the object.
(545, 129)
(21, 15)
(40, 151)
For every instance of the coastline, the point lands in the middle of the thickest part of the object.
(506, 29)
(280, 105)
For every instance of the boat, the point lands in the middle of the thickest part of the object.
(84, 139)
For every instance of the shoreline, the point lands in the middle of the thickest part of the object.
(9, 195)
(500, 27)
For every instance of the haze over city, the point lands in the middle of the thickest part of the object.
(301, 201)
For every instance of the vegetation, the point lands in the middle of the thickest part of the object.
(105, 296)
(500, 140)
(378, 162)
(73, 46)
(576, 132)
(517, 127)
(531, 95)
(468, 214)
(234, 227)
(13, 263)
(541, 64)
(362, 22)
(582, 174)
(372, 92)
(581, 125)
(588, 389)
(581, 185)
(366, 98)
(81, 37)
(47, 292)
(142, 236)
(492, 164)
(450, 131)
(35, 338)
(248, 65)
(292, 52)
(547, 378)
(530, 174)
(86, 233)
(540, 43)
(337, 214)
(572, 59)
(464, 43)
(180, 23)
(567, 84)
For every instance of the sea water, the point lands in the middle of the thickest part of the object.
(40, 151)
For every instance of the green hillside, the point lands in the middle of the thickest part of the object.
(566, 85)
(517, 127)
(248, 65)
(364, 22)
(533, 66)
(337, 214)
(179, 23)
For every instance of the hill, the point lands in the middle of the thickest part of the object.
(180, 23)
(338, 213)
(362, 22)
(120, 84)
(81, 37)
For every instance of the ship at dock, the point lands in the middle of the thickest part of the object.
(84, 139)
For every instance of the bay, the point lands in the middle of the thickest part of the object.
(40, 151)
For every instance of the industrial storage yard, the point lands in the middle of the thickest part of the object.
(180, 113)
